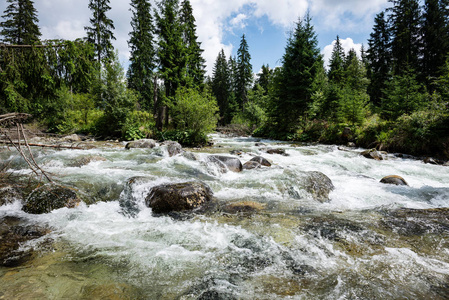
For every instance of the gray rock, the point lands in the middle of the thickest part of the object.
(85, 160)
(261, 160)
(232, 163)
(394, 179)
(144, 143)
(9, 194)
(72, 138)
(277, 151)
(318, 185)
(178, 197)
(249, 165)
(372, 154)
(173, 148)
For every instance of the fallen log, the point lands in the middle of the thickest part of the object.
(46, 146)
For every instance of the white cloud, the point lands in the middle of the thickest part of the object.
(347, 45)
(239, 21)
(283, 13)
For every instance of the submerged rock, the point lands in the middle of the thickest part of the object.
(261, 160)
(178, 196)
(244, 206)
(128, 200)
(232, 163)
(394, 179)
(277, 151)
(372, 154)
(249, 165)
(144, 143)
(9, 194)
(85, 160)
(14, 232)
(49, 197)
(173, 148)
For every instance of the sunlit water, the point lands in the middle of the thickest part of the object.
(351, 247)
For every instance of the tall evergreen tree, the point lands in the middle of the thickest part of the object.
(302, 62)
(379, 58)
(195, 62)
(264, 78)
(20, 25)
(142, 53)
(336, 63)
(221, 86)
(100, 33)
(406, 39)
(435, 33)
(244, 72)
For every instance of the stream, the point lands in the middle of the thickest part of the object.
(369, 241)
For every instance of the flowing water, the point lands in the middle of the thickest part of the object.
(370, 241)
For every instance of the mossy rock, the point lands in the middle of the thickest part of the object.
(178, 196)
(50, 197)
(9, 194)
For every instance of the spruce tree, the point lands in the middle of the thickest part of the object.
(195, 62)
(100, 33)
(405, 28)
(336, 63)
(435, 33)
(379, 58)
(244, 73)
(221, 86)
(142, 53)
(301, 63)
(20, 25)
(264, 78)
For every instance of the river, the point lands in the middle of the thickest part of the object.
(369, 241)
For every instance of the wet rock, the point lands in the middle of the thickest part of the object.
(394, 179)
(173, 148)
(178, 196)
(9, 194)
(144, 143)
(331, 228)
(431, 161)
(249, 165)
(14, 232)
(261, 160)
(318, 185)
(191, 156)
(236, 152)
(244, 206)
(260, 144)
(416, 222)
(49, 197)
(372, 154)
(85, 160)
(130, 194)
(351, 145)
(232, 163)
(277, 151)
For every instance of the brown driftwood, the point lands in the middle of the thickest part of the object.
(46, 146)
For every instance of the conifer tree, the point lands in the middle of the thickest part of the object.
(244, 72)
(142, 53)
(20, 25)
(302, 62)
(336, 63)
(100, 32)
(379, 58)
(195, 62)
(405, 29)
(264, 78)
(221, 86)
(435, 33)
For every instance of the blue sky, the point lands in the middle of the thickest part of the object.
(221, 23)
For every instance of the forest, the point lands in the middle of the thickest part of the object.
(394, 96)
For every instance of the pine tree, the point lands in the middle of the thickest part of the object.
(142, 53)
(379, 58)
(221, 86)
(20, 25)
(406, 38)
(195, 62)
(336, 63)
(435, 33)
(100, 33)
(244, 73)
(264, 78)
(302, 62)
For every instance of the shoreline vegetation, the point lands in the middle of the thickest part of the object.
(392, 95)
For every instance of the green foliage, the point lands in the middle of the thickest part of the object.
(194, 111)
(244, 73)
(138, 125)
(20, 25)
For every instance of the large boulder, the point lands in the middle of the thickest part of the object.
(261, 160)
(173, 148)
(144, 143)
(372, 154)
(232, 163)
(9, 194)
(49, 197)
(178, 196)
(394, 179)
(318, 185)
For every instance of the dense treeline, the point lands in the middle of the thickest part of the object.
(393, 95)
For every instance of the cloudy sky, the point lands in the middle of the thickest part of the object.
(221, 23)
